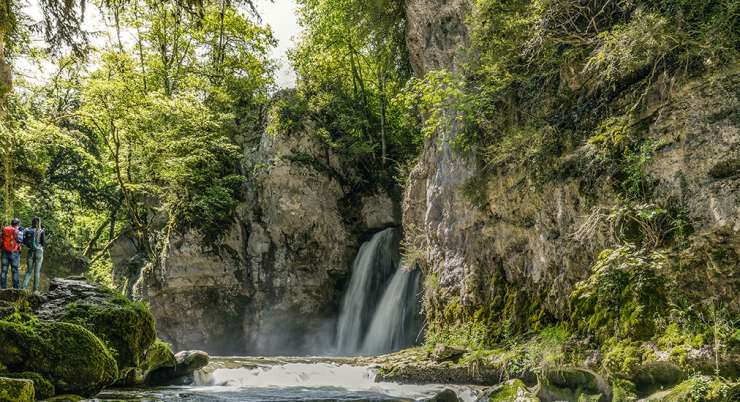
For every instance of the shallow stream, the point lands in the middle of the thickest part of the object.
(284, 379)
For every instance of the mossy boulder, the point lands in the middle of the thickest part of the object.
(16, 390)
(158, 358)
(44, 389)
(68, 355)
(186, 363)
(623, 391)
(511, 391)
(573, 384)
(126, 327)
(699, 388)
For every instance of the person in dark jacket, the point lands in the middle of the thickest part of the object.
(34, 239)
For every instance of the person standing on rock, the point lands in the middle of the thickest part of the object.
(11, 253)
(34, 239)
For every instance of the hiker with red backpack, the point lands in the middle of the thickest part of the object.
(11, 253)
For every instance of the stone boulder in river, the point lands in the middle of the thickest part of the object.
(81, 338)
(126, 327)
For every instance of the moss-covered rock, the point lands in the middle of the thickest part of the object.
(623, 391)
(573, 384)
(71, 357)
(158, 358)
(16, 390)
(66, 398)
(126, 327)
(699, 389)
(44, 389)
(186, 363)
(511, 391)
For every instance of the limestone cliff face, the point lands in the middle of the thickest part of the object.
(274, 282)
(520, 244)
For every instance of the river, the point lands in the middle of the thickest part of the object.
(284, 379)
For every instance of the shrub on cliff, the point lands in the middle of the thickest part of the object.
(71, 357)
(623, 296)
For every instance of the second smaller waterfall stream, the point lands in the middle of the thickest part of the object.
(395, 324)
(380, 311)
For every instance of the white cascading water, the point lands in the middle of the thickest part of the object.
(374, 264)
(328, 376)
(380, 311)
(395, 324)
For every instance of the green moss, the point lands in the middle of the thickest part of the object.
(623, 391)
(624, 295)
(699, 389)
(512, 390)
(158, 355)
(126, 327)
(44, 389)
(66, 398)
(622, 358)
(68, 355)
(16, 390)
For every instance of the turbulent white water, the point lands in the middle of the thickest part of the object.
(327, 379)
(395, 323)
(374, 264)
(350, 378)
(294, 379)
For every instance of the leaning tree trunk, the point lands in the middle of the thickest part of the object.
(6, 86)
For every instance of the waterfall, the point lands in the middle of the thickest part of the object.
(396, 322)
(374, 264)
(380, 311)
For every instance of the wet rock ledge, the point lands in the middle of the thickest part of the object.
(520, 373)
(80, 338)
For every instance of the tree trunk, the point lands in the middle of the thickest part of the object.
(383, 101)
(6, 86)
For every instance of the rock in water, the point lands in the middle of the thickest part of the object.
(16, 390)
(126, 327)
(447, 395)
(187, 362)
(190, 360)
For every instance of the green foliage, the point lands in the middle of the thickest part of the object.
(351, 63)
(443, 106)
(546, 77)
(145, 137)
(701, 389)
(513, 390)
(624, 295)
(623, 391)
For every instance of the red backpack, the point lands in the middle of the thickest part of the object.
(10, 242)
